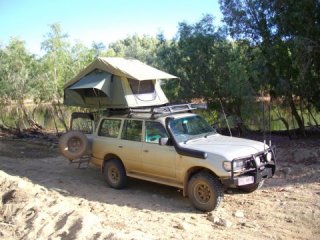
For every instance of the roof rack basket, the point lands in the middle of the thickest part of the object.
(187, 107)
(159, 110)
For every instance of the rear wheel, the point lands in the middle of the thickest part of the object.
(115, 174)
(205, 191)
(252, 187)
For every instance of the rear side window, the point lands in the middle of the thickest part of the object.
(84, 125)
(110, 128)
(132, 130)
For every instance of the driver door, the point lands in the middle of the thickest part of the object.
(157, 160)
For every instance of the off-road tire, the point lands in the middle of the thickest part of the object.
(205, 191)
(252, 187)
(73, 144)
(115, 174)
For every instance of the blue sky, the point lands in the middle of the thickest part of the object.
(98, 20)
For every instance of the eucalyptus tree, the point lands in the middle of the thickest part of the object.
(56, 69)
(81, 56)
(142, 48)
(299, 25)
(197, 47)
(16, 75)
(57, 61)
(287, 34)
(167, 60)
(3, 82)
(211, 67)
(98, 49)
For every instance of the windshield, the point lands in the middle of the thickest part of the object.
(192, 127)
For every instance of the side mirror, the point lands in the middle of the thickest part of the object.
(163, 141)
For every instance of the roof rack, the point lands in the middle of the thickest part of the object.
(187, 107)
(159, 110)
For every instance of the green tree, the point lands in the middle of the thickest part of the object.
(98, 48)
(167, 60)
(57, 61)
(56, 69)
(280, 29)
(81, 56)
(16, 74)
(299, 24)
(198, 46)
(142, 48)
(211, 68)
(3, 82)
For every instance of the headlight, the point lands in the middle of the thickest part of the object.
(269, 156)
(237, 165)
(227, 166)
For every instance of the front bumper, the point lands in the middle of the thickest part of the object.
(254, 173)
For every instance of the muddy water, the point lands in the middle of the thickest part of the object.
(12, 116)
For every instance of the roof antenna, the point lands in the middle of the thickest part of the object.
(225, 117)
(264, 123)
(270, 121)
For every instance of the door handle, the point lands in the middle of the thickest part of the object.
(146, 150)
(120, 146)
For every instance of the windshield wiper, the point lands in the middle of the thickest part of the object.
(209, 134)
(192, 138)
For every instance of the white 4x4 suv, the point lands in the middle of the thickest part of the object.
(173, 146)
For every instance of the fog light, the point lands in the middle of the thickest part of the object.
(258, 162)
(269, 156)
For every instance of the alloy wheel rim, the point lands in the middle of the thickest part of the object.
(74, 144)
(203, 193)
(114, 174)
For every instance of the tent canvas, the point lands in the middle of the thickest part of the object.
(116, 83)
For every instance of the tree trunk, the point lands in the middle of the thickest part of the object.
(286, 124)
(55, 125)
(59, 114)
(239, 121)
(301, 111)
(32, 123)
(297, 116)
(284, 121)
(311, 114)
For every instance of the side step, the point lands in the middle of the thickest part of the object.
(83, 160)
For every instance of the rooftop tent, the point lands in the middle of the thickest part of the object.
(116, 83)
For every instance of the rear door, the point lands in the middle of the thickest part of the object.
(106, 140)
(122, 138)
(130, 145)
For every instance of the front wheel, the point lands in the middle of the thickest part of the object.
(115, 174)
(205, 191)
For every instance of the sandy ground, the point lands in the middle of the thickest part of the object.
(45, 197)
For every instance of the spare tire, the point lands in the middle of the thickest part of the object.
(74, 144)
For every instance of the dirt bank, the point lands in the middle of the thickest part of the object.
(45, 197)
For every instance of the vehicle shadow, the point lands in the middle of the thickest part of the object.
(57, 174)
